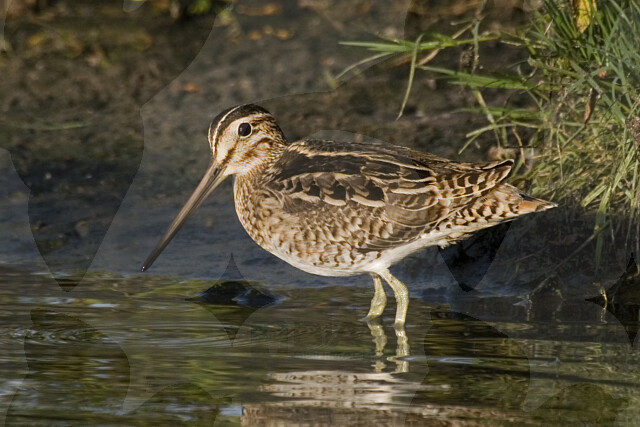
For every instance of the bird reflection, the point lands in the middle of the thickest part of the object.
(380, 340)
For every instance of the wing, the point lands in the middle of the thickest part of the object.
(397, 193)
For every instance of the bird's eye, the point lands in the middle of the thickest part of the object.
(244, 129)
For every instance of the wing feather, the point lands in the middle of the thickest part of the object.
(407, 192)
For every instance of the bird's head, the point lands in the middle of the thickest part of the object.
(242, 139)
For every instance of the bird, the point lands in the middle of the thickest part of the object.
(344, 208)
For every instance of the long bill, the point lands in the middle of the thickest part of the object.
(212, 178)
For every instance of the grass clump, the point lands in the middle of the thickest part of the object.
(579, 136)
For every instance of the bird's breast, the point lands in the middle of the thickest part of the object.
(316, 241)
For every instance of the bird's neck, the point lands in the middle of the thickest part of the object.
(267, 159)
(246, 186)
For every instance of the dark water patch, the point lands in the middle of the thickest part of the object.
(229, 292)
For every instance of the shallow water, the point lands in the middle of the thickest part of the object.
(143, 350)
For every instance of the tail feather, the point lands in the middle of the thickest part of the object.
(531, 204)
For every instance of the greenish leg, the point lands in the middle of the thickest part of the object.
(379, 301)
(402, 303)
(402, 297)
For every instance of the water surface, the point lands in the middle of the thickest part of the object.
(142, 350)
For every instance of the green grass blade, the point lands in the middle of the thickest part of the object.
(412, 72)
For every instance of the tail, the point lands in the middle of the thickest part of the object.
(531, 204)
(518, 203)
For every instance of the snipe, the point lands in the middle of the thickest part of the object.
(346, 208)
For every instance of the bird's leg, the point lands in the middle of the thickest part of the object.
(379, 300)
(402, 302)
(402, 297)
(378, 304)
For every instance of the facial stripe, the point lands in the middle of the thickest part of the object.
(228, 156)
(209, 134)
(255, 150)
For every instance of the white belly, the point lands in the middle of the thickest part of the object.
(371, 264)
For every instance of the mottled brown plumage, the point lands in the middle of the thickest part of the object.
(344, 208)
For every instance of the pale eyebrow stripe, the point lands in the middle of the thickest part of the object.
(222, 119)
